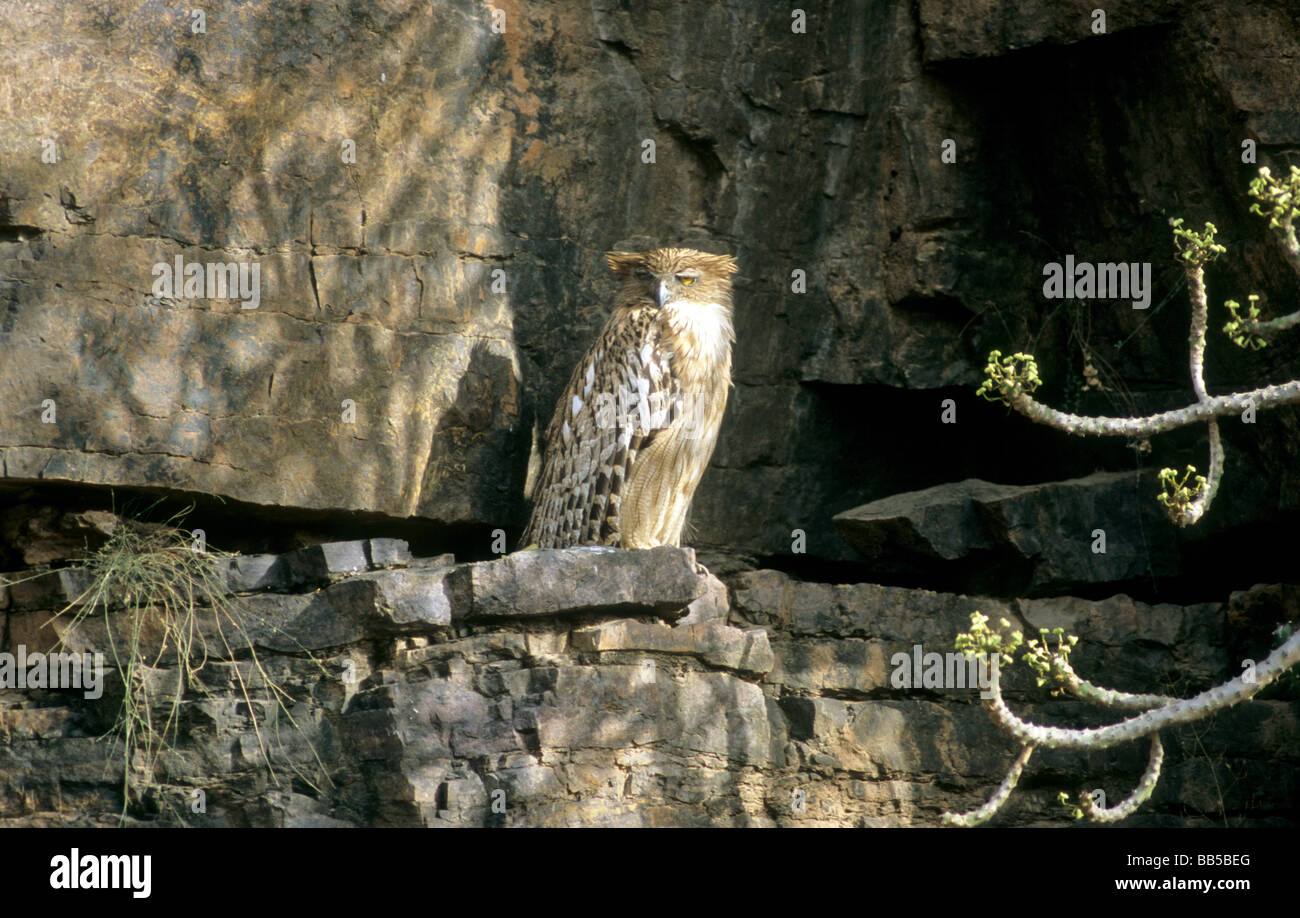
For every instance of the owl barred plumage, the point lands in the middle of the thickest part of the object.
(638, 422)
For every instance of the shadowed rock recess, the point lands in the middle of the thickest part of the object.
(427, 200)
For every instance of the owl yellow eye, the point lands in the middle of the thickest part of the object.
(686, 279)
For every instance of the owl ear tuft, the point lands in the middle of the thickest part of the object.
(726, 264)
(623, 263)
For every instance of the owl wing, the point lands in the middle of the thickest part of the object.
(621, 397)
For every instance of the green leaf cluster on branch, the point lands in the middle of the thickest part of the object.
(1279, 200)
(1195, 249)
(1180, 494)
(1009, 377)
(1243, 331)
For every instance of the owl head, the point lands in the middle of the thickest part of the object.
(667, 276)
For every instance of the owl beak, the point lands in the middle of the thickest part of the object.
(663, 294)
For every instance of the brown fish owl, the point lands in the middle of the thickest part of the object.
(637, 424)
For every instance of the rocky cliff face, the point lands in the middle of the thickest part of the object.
(425, 693)
(425, 191)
